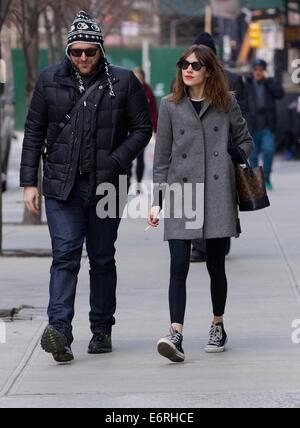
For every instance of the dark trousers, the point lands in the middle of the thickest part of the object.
(180, 263)
(70, 223)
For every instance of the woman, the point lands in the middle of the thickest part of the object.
(201, 134)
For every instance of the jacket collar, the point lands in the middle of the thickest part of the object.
(65, 76)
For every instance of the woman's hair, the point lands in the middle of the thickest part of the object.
(216, 87)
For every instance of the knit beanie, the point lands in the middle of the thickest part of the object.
(206, 40)
(85, 29)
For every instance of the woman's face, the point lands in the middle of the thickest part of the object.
(192, 77)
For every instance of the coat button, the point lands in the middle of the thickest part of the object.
(184, 156)
(182, 131)
(184, 179)
(216, 128)
(216, 177)
(216, 154)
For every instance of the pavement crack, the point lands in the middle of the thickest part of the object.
(12, 380)
(293, 280)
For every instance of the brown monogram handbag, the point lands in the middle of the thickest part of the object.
(250, 185)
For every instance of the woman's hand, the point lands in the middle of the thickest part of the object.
(153, 216)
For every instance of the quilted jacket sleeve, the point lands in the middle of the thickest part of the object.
(34, 137)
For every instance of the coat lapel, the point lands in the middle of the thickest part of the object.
(206, 105)
(188, 106)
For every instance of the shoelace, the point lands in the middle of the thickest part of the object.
(175, 337)
(215, 334)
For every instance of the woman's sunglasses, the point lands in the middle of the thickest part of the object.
(88, 52)
(184, 65)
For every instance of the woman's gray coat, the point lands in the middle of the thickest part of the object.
(191, 152)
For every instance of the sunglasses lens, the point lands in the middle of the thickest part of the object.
(76, 52)
(91, 52)
(196, 66)
(184, 65)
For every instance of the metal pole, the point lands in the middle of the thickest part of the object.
(146, 60)
(208, 19)
(173, 33)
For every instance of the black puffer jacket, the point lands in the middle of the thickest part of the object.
(236, 85)
(121, 129)
(274, 91)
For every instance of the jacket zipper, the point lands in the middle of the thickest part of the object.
(80, 156)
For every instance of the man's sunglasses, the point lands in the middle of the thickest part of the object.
(88, 52)
(184, 65)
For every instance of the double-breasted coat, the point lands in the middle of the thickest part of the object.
(193, 149)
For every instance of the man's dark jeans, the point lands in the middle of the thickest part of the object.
(70, 223)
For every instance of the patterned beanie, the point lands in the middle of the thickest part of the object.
(85, 29)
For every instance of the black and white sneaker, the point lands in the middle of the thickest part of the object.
(217, 339)
(171, 346)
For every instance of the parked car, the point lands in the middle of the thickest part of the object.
(6, 112)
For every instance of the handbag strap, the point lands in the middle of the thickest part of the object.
(77, 106)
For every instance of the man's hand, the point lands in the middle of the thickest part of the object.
(32, 199)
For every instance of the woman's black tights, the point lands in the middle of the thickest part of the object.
(180, 263)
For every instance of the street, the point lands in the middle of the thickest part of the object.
(261, 366)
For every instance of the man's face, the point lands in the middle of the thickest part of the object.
(259, 73)
(88, 61)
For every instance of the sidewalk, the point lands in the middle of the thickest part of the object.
(261, 367)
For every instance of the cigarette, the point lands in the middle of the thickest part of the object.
(147, 228)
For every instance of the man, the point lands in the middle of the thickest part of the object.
(96, 145)
(236, 84)
(140, 74)
(261, 95)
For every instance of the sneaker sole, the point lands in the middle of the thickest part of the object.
(53, 341)
(99, 351)
(168, 350)
(215, 350)
(63, 358)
